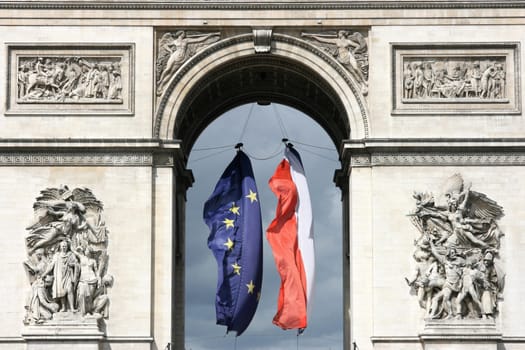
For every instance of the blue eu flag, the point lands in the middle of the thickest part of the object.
(233, 215)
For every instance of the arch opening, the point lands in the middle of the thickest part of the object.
(260, 79)
(261, 138)
(228, 75)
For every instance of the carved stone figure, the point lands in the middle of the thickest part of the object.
(68, 260)
(453, 265)
(175, 49)
(456, 275)
(66, 79)
(453, 78)
(88, 280)
(65, 270)
(351, 50)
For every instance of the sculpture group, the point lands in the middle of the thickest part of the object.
(69, 79)
(457, 273)
(67, 257)
(444, 78)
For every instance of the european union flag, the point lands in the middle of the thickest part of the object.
(233, 215)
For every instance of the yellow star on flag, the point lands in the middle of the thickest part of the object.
(229, 244)
(250, 286)
(252, 196)
(228, 222)
(236, 268)
(234, 209)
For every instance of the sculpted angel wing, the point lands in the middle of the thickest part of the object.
(46, 196)
(85, 196)
(361, 40)
(163, 53)
(481, 207)
(428, 217)
(194, 47)
(330, 49)
(50, 198)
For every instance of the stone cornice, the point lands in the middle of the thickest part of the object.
(425, 143)
(91, 152)
(93, 144)
(259, 5)
(433, 152)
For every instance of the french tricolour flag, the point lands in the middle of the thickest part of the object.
(291, 237)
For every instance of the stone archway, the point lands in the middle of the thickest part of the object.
(230, 73)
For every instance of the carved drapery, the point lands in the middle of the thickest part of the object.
(457, 272)
(67, 258)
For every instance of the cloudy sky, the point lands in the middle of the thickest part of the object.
(261, 137)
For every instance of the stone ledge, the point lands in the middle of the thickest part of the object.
(472, 330)
(66, 326)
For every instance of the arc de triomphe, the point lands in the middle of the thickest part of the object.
(102, 102)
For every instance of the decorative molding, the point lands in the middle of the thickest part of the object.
(260, 5)
(75, 159)
(106, 339)
(438, 159)
(164, 160)
(412, 159)
(92, 152)
(395, 339)
(456, 78)
(432, 151)
(68, 79)
(360, 160)
(262, 40)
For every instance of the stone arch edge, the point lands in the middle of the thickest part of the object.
(226, 50)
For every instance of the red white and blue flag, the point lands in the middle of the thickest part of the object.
(291, 237)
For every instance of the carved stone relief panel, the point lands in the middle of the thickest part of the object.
(176, 47)
(65, 79)
(67, 259)
(349, 48)
(457, 272)
(456, 78)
